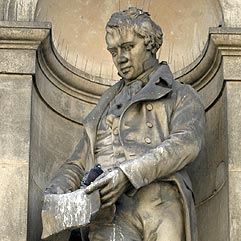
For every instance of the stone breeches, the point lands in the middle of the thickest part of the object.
(153, 213)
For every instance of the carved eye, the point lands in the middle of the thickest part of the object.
(128, 47)
(113, 53)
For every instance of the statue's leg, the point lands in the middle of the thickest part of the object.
(113, 232)
(161, 212)
(120, 228)
(154, 213)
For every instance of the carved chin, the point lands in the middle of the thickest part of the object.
(127, 74)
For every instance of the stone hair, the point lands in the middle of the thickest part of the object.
(141, 23)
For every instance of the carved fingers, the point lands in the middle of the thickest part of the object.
(111, 185)
(54, 189)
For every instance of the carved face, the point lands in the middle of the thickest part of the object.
(128, 52)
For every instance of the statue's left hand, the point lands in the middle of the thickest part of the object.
(111, 184)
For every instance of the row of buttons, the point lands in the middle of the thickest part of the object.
(116, 131)
(147, 140)
(149, 107)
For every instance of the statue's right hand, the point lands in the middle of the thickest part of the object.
(54, 189)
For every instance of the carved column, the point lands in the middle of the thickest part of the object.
(232, 76)
(18, 44)
(217, 173)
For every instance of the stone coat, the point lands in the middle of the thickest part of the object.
(161, 131)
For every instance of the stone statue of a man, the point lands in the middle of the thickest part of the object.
(144, 131)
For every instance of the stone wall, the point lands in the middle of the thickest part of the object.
(233, 77)
(15, 95)
(44, 99)
(18, 44)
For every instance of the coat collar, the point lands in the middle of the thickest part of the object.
(159, 85)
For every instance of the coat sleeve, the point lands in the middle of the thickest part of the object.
(175, 152)
(70, 174)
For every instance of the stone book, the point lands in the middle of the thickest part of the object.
(68, 211)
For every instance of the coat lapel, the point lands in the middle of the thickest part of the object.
(159, 85)
(153, 90)
(92, 120)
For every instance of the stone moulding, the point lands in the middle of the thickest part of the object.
(18, 43)
(202, 73)
(66, 77)
(221, 42)
(22, 35)
(206, 73)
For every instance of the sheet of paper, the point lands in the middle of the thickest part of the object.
(68, 211)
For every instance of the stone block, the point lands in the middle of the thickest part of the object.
(213, 217)
(230, 70)
(231, 12)
(13, 201)
(234, 130)
(18, 61)
(234, 205)
(15, 106)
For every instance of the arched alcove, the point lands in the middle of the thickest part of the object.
(79, 34)
(76, 49)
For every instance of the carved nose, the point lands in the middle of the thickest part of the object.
(122, 59)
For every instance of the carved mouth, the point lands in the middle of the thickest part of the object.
(125, 70)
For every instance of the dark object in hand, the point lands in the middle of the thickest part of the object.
(75, 235)
(91, 175)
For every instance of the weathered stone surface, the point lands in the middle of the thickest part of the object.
(68, 211)
(17, 10)
(17, 61)
(62, 101)
(234, 153)
(213, 224)
(53, 139)
(234, 205)
(210, 170)
(231, 72)
(15, 108)
(18, 43)
(185, 24)
(231, 12)
(234, 130)
(13, 201)
(209, 174)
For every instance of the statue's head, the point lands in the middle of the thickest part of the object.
(132, 39)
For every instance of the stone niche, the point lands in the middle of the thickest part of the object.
(71, 72)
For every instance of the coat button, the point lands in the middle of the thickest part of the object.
(147, 140)
(149, 124)
(149, 107)
(115, 131)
